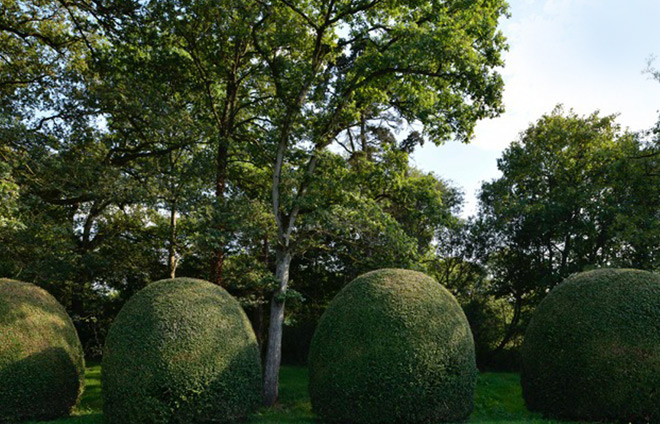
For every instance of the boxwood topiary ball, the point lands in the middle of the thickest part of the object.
(180, 351)
(41, 358)
(592, 348)
(393, 347)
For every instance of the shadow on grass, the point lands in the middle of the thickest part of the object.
(498, 400)
(89, 411)
(91, 401)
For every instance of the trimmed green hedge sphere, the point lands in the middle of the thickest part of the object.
(41, 359)
(592, 348)
(393, 347)
(180, 351)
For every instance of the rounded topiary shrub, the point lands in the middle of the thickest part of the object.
(180, 351)
(393, 347)
(592, 348)
(41, 358)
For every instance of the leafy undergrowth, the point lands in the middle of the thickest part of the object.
(498, 401)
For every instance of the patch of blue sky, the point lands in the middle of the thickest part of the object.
(585, 54)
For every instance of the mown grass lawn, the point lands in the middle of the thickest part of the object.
(498, 401)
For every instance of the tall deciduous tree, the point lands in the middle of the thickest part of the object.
(331, 64)
(211, 44)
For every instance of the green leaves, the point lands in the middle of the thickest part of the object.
(561, 190)
(181, 350)
(589, 351)
(569, 199)
(148, 134)
(393, 346)
(43, 377)
(9, 192)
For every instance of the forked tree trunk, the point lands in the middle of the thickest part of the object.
(274, 350)
(285, 224)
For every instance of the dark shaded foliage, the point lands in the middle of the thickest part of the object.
(181, 351)
(393, 346)
(591, 349)
(41, 359)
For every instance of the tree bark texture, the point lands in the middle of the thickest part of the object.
(274, 350)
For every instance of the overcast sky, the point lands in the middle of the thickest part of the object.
(586, 54)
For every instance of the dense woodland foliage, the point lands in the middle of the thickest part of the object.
(265, 147)
(589, 352)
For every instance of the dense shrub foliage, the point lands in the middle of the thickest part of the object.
(591, 349)
(41, 359)
(180, 351)
(394, 346)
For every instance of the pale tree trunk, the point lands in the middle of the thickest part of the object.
(274, 350)
(285, 224)
(258, 313)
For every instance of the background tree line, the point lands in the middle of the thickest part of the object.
(265, 147)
